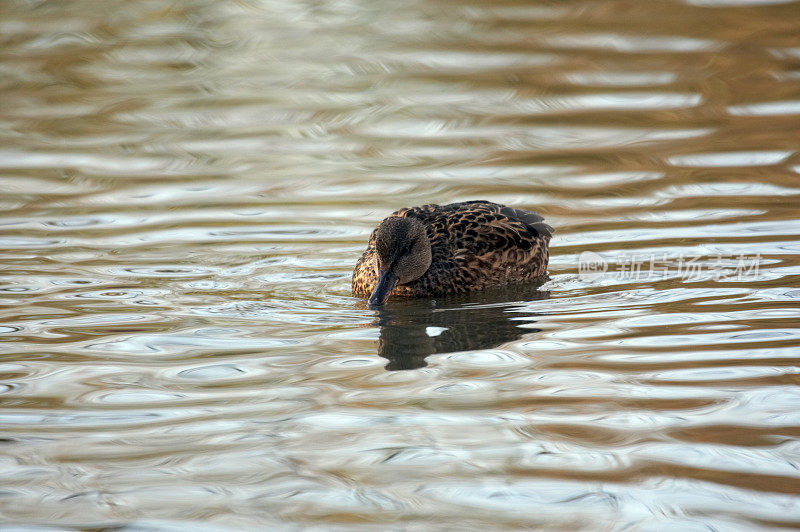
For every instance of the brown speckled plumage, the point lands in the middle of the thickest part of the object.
(474, 245)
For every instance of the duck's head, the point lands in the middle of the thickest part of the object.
(404, 254)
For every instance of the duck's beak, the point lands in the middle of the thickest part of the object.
(386, 283)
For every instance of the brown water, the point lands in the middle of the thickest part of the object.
(186, 187)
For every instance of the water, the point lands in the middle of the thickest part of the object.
(186, 188)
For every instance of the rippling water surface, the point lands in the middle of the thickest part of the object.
(186, 187)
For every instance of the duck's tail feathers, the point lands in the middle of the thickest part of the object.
(532, 220)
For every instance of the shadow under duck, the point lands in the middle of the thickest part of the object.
(448, 249)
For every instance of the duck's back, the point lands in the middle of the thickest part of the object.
(475, 245)
(480, 226)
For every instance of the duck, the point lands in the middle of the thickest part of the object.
(434, 250)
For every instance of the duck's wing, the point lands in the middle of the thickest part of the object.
(485, 227)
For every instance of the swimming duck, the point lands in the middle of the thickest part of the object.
(447, 249)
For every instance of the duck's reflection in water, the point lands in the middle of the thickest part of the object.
(414, 329)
